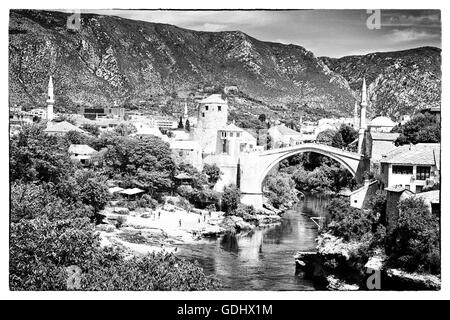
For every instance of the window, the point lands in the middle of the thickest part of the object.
(238, 134)
(231, 134)
(423, 173)
(206, 108)
(203, 114)
(402, 169)
(419, 189)
(219, 108)
(407, 187)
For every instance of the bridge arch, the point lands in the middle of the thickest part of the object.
(293, 153)
(254, 167)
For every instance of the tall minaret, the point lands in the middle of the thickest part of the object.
(362, 119)
(50, 100)
(355, 116)
(185, 111)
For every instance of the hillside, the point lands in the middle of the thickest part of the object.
(398, 82)
(115, 61)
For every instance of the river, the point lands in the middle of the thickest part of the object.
(262, 259)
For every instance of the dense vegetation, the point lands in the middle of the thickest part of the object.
(422, 128)
(411, 243)
(55, 205)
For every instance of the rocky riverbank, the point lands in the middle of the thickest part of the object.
(340, 265)
(146, 230)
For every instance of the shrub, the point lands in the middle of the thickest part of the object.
(230, 199)
(414, 240)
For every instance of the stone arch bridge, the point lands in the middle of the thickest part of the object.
(256, 165)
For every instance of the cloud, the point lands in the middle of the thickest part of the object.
(411, 34)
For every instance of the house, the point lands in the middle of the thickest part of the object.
(232, 140)
(412, 166)
(61, 128)
(282, 136)
(394, 195)
(381, 143)
(83, 154)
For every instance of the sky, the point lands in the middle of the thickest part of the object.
(332, 33)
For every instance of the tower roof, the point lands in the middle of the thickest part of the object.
(214, 98)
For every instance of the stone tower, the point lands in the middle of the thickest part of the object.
(212, 112)
(362, 118)
(50, 100)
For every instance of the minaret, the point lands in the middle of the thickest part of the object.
(185, 111)
(362, 119)
(50, 100)
(355, 116)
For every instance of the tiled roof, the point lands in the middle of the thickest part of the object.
(388, 136)
(421, 153)
(232, 127)
(81, 149)
(214, 98)
(430, 196)
(62, 127)
(287, 131)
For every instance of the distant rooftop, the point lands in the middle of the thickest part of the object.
(387, 136)
(62, 127)
(81, 149)
(382, 122)
(287, 131)
(420, 154)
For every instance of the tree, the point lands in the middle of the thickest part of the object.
(230, 199)
(180, 123)
(213, 172)
(337, 141)
(348, 134)
(326, 137)
(187, 126)
(422, 128)
(414, 240)
(76, 137)
(125, 129)
(92, 129)
(36, 156)
(41, 250)
(280, 189)
(262, 117)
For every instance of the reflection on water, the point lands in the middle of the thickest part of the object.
(263, 258)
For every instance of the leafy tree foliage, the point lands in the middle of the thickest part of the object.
(326, 137)
(213, 172)
(92, 129)
(125, 129)
(230, 199)
(187, 126)
(414, 241)
(36, 156)
(42, 249)
(422, 128)
(280, 189)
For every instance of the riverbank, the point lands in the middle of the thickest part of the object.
(340, 265)
(145, 230)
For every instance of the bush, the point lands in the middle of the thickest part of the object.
(347, 222)
(414, 241)
(41, 251)
(231, 198)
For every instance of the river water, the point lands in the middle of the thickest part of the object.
(262, 259)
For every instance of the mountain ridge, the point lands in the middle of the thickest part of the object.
(118, 61)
